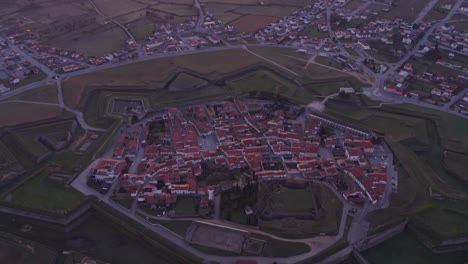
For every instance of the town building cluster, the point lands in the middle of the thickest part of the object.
(13, 67)
(448, 37)
(462, 105)
(259, 139)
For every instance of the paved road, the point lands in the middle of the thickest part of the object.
(78, 114)
(201, 15)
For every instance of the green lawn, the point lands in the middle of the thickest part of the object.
(353, 4)
(97, 43)
(311, 31)
(408, 10)
(266, 81)
(277, 248)
(330, 210)
(457, 164)
(329, 62)
(404, 248)
(408, 128)
(126, 203)
(442, 223)
(223, 11)
(43, 194)
(186, 205)
(46, 94)
(289, 200)
(273, 10)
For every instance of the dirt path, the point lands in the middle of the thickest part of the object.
(270, 61)
(361, 77)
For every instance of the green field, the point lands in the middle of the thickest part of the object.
(223, 12)
(9, 166)
(41, 193)
(103, 240)
(457, 164)
(404, 248)
(444, 224)
(329, 208)
(143, 72)
(329, 62)
(141, 28)
(44, 94)
(29, 138)
(286, 200)
(213, 68)
(407, 10)
(418, 137)
(311, 31)
(97, 43)
(438, 12)
(277, 248)
(353, 4)
(12, 113)
(277, 11)
(263, 81)
(186, 206)
(177, 10)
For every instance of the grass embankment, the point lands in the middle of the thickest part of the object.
(418, 138)
(143, 73)
(44, 94)
(213, 67)
(44, 194)
(328, 207)
(15, 113)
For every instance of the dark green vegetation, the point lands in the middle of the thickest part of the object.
(404, 248)
(420, 139)
(39, 189)
(281, 214)
(57, 199)
(101, 236)
(276, 210)
(407, 10)
(187, 206)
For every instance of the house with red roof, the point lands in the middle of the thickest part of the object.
(108, 170)
(353, 153)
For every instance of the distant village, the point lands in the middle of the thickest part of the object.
(362, 31)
